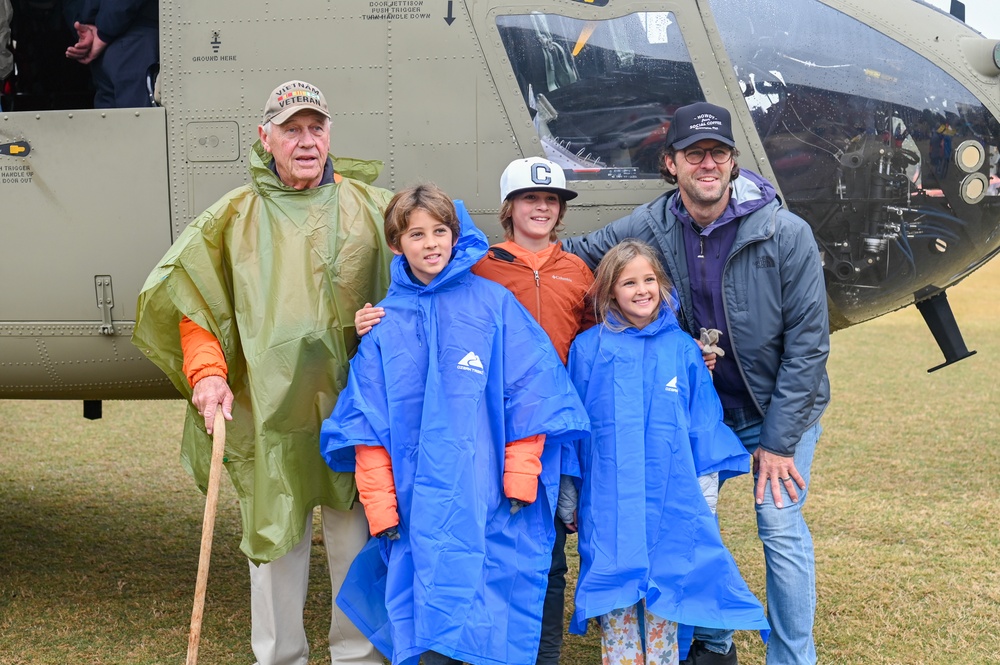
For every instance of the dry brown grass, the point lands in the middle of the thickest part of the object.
(100, 526)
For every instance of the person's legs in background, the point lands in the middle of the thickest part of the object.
(550, 645)
(120, 72)
(434, 658)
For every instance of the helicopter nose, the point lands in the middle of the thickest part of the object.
(887, 146)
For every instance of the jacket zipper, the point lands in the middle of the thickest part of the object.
(538, 295)
(538, 285)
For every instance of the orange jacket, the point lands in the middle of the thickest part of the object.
(553, 286)
(203, 354)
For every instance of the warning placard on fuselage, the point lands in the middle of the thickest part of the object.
(397, 10)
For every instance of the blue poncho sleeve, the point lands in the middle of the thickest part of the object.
(361, 417)
(580, 368)
(713, 445)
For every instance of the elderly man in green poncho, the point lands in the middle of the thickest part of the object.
(252, 311)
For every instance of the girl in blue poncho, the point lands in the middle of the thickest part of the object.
(651, 556)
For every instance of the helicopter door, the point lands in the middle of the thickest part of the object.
(85, 215)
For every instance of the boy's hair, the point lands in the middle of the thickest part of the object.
(608, 272)
(507, 217)
(427, 197)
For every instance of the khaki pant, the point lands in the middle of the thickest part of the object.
(278, 596)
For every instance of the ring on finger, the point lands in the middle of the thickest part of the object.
(785, 480)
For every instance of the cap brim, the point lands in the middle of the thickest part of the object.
(691, 140)
(282, 118)
(566, 194)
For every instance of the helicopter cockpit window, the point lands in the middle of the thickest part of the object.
(601, 93)
(890, 159)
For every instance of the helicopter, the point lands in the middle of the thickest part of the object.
(879, 123)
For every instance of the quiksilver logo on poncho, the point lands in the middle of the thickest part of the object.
(471, 363)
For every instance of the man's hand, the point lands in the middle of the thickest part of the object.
(209, 393)
(779, 471)
(96, 49)
(366, 317)
(89, 45)
(573, 526)
(86, 33)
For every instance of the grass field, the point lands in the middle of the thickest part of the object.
(100, 527)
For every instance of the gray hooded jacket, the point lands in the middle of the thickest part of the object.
(775, 304)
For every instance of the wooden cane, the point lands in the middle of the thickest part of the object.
(207, 529)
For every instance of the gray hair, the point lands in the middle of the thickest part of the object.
(267, 125)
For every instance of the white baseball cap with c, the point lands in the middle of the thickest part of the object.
(533, 174)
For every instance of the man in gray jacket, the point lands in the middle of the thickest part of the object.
(746, 266)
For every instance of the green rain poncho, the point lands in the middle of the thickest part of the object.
(276, 275)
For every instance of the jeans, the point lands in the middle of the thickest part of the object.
(790, 564)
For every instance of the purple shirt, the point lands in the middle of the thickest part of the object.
(707, 251)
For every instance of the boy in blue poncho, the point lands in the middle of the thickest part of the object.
(455, 407)
(649, 543)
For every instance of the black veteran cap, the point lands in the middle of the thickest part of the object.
(290, 98)
(699, 121)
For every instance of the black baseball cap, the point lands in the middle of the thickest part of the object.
(697, 122)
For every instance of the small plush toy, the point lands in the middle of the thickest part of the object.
(709, 341)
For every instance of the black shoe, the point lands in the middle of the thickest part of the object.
(701, 655)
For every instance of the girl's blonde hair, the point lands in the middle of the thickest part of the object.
(610, 270)
(507, 216)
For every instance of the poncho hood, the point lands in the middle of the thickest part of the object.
(472, 245)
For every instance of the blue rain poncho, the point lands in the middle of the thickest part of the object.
(645, 528)
(455, 370)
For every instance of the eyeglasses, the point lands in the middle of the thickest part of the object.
(720, 155)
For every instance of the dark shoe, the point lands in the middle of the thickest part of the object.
(701, 655)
